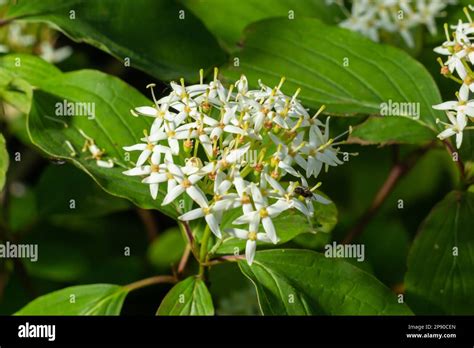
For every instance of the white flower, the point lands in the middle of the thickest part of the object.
(252, 236)
(287, 196)
(96, 153)
(209, 212)
(286, 155)
(208, 135)
(371, 17)
(156, 175)
(160, 113)
(148, 149)
(264, 213)
(54, 55)
(185, 184)
(320, 151)
(172, 134)
(226, 124)
(458, 123)
(460, 51)
(462, 107)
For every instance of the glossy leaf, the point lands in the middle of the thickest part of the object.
(390, 129)
(96, 299)
(65, 190)
(441, 261)
(28, 67)
(188, 297)
(166, 249)
(19, 73)
(235, 15)
(112, 128)
(340, 69)
(301, 282)
(147, 34)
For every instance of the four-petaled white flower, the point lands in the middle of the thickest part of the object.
(458, 123)
(370, 18)
(459, 50)
(251, 236)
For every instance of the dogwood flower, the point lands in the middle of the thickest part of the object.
(252, 236)
(460, 58)
(148, 149)
(185, 184)
(202, 143)
(458, 123)
(264, 213)
(95, 152)
(370, 17)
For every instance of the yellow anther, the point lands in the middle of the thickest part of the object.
(186, 183)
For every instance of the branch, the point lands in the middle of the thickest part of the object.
(161, 279)
(222, 259)
(184, 259)
(398, 171)
(190, 238)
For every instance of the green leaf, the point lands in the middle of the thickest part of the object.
(288, 225)
(149, 33)
(302, 282)
(234, 15)
(389, 129)
(386, 243)
(188, 297)
(3, 161)
(95, 299)
(166, 249)
(441, 261)
(65, 190)
(30, 68)
(112, 128)
(338, 68)
(232, 292)
(19, 73)
(22, 210)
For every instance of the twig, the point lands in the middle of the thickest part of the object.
(189, 236)
(222, 259)
(161, 279)
(188, 232)
(398, 171)
(149, 222)
(184, 259)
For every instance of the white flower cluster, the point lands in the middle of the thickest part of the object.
(371, 17)
(459, 50)
(16, 37)
(232, 148)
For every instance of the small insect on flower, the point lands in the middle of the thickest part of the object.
(96, 153)
(304, 191)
